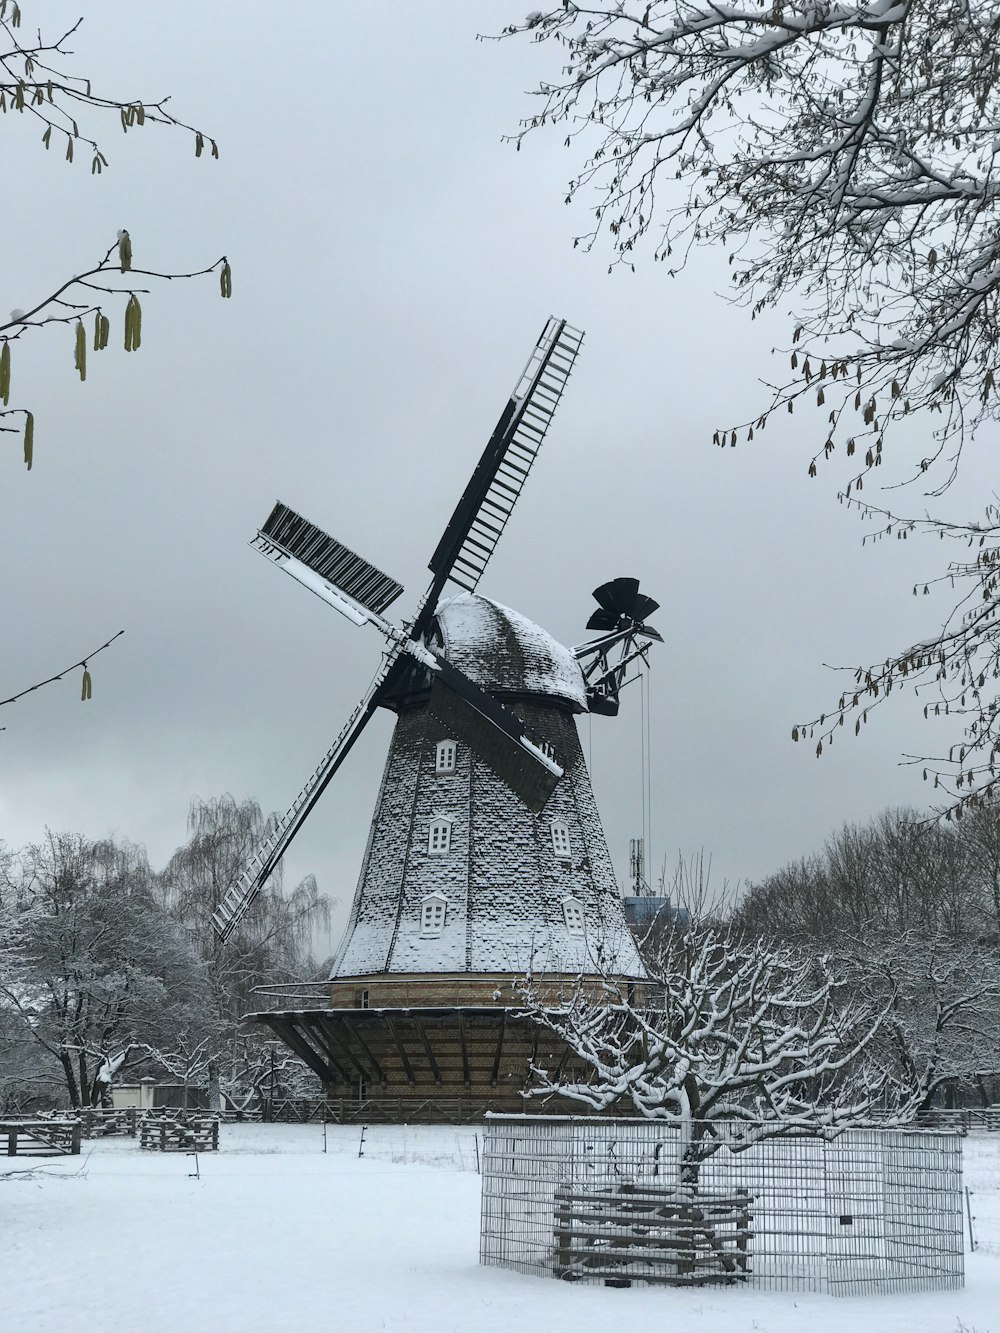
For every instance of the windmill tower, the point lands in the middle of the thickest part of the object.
(486, 861)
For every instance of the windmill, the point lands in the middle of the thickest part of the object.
(485, 859)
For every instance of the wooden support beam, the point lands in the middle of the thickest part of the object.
(333, 1035)
(400, 1048)
(496, 1058)
(356, 1035)
(427, 1048)
(297, 1042)
(465, 1053)
(318, 1034)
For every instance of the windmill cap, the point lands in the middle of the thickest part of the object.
(506, 653)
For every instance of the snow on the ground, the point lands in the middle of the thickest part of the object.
(279, 1236)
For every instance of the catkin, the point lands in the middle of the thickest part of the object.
(133, 325)
(80, 353)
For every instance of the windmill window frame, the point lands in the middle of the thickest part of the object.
(561, 846)
(433, 915)
(576, 924)
(445, 756)
(439, 836)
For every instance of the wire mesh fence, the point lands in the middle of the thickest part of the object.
(616, 1201)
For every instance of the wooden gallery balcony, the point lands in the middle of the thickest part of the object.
(415, 1041)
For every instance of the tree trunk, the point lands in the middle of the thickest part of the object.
(214, 1097)
(71, 1084)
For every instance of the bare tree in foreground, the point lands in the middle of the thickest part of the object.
(846, 156)
(728, 1031)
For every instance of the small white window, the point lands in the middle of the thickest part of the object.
(573, 912)
(444, 761)
(439, 837)
(433, 911)
(560, 839)
(364, 1000)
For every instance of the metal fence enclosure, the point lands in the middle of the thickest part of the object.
(615, 1201)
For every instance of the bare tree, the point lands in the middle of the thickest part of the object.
(100, 968)
(731, 1030)
(846, 157)
(981, 835)
(896, 874)
(907, 911)
(939, 1001)
(272, 942)
(242, 1071)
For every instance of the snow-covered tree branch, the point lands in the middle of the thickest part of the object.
(728, 1030)
(939, 999)
(845, 153)
(108, 968)
(98, 967)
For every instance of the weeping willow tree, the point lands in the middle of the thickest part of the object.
(271, 943)
(273, 939)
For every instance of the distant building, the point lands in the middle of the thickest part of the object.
(147, 1095)
(641, 913)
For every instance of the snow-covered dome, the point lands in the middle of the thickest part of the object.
(506, 653)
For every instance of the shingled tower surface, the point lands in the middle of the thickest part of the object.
(507, 872)
(465, 891)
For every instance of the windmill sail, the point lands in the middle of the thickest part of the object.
(487, 502)
(363, 592)
(266, 857)
(288, 534)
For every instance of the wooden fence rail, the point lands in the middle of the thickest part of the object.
(96, 1121)
(180, 1132)
(380, 1110)
(963, 1119)
(40, 1138)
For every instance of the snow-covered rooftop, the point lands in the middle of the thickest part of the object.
(507, 653)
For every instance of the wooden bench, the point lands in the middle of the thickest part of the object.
(40, 1138)
(179, 1131)
(677, 1236)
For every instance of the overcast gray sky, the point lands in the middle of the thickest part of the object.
(393, 263)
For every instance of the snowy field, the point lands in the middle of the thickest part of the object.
(278, 1235)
